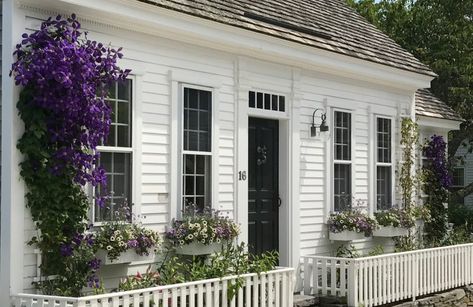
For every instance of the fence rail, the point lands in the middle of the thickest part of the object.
(273, 288)
(377, 280)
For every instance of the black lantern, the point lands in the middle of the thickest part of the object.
(323, 127)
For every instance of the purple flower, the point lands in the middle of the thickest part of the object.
(66, 250)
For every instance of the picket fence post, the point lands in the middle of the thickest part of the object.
(352, 293)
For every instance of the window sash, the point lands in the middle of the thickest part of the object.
(342, 161)
(114, 150)
(206, 152)
(384, 180)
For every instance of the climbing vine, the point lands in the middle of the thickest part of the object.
(64, 78)
(407, 180)
(437, 180)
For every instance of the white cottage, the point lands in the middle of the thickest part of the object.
(219, 111)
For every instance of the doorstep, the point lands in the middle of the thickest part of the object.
(305, 300)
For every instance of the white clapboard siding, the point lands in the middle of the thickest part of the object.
(320, 91)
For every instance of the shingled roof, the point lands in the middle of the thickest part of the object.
(326, 24)
(429, 105)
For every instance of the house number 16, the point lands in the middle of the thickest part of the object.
(242, 175)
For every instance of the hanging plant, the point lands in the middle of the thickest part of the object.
(65, 78)
(437, 180)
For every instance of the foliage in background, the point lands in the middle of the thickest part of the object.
(64, 78)
(206, 227)
(352, 220)
(437, 180)
(437, 32)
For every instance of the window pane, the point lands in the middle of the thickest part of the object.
(342, 187)
(251, 99)
(383, 130)
(459, 176)
(196, 189)
(383, 187)
(119, 99)
(123, 136)
(118, 171)
(197, 120)
(124, 90)
(342, 136)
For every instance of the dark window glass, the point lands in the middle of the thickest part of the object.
(459, 177)
(342, 141)
(118, 170)
(119, 100)
(197, 120)
(384, 140)
(342, 187)
(196, 181)
(383, 187)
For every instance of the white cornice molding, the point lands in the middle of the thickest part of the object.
(438, 123)
(145, 18)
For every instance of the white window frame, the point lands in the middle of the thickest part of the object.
(183, 152)
(376, 163)
(133, 154)
(348, 162)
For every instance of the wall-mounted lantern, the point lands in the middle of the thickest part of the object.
(323, 125)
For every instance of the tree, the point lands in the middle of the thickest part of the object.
(440, 34)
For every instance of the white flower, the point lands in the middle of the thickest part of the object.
(109, 248)
(191, 226)
(190, 237)
(112, 238)
(218, 240)
(120, 238)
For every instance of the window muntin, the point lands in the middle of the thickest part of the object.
(384, 182)
(116, 153)
(458, 177)
(197, 147)
(342, 146)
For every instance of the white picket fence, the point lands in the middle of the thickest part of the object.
(273, 288)
(377, 280)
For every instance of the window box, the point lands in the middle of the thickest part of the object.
(346, 235)
(126, 257)
(197, 248)
(390, 231)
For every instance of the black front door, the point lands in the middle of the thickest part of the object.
(263, 204)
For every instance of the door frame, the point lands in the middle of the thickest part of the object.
(288, 172)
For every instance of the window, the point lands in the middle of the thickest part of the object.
(458, 177)
(116, 153)
(383, 163)
(196, 146)
(342, 161)
(265, 101)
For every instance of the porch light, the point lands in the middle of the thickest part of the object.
(323, 127)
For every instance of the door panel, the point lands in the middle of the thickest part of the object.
(263, 158)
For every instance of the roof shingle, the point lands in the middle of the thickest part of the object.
(429, 105)
(326, 24)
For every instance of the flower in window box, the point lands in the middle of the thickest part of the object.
(352, 220)
(195, 226)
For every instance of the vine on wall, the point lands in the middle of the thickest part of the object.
(64, 78)
(407, 179)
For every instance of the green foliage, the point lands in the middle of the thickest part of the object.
(461, 216)
(344, 251)
(395, 217)
(405, 244)
(140, 281)
(437, 32)
(376, 251)
(232, 260)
